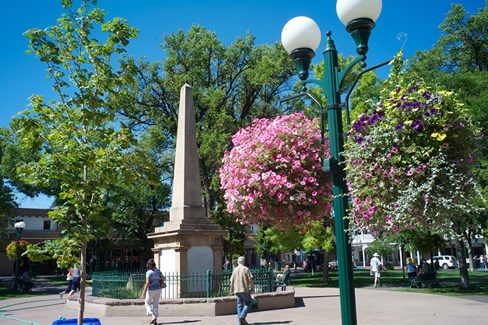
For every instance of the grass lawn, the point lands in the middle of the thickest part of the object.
(7, 293)
(51, 280)
(449, 281)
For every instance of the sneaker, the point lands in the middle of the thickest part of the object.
(243, 321)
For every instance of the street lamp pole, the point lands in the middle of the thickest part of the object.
(301, 37)
(19, 227)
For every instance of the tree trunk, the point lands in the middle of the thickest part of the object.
(471, 261)
(206, 188)
(325, 268)
(84, 244)
(470, 251)
(463, 270)
(81, 309)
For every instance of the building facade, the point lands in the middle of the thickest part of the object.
(38, 228)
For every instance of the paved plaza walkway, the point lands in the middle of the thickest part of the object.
(313, 306)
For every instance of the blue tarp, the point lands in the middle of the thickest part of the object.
(74, 321)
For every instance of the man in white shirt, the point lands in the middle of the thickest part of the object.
(376, 268)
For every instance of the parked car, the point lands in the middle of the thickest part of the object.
(445, 261)
(333, 265)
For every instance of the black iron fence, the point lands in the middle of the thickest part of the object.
(129, 284)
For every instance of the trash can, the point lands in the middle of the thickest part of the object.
(74, 321)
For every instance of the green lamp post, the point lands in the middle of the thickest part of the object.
(19, 227)
(301, 37)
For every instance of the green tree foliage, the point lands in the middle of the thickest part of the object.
(232, 85)
(422, 239)
(459, 62)
(7, 197)
(320, 236)
(271, 241)
(381, 246)
(268, 243)
(66, 252)
(135, 206)
(81, 147)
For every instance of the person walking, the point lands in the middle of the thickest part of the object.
(69, 281)
(152, 290)
(26, 281)
(240, 284)
(226, 265)
(411, 271)
(376, 267)
(76, 280)
(284, 277)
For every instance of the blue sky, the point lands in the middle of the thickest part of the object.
(22, 75)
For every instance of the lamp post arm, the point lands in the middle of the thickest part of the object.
(323, 112)
(342, 75)
(353, 86)
(322, 83)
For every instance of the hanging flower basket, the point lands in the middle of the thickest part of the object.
(273, 174)
(409, 161)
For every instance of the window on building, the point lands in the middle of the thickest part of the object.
(47, 225)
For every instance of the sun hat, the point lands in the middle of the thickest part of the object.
(376, 255)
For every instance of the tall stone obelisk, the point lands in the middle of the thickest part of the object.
(188, 242)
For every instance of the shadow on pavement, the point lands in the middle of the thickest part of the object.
(180, 322)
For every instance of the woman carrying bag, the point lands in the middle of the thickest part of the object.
(152, 290)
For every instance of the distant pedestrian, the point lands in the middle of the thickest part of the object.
(93, 263)
(226, 264)
(241, 283)
(76, 280)
(376, 268)
(411, 271)
(26, 281)
(69, 281)
(475, 262)
(284, 277)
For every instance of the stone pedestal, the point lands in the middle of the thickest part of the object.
(193, 250)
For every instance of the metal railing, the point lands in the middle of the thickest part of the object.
(129, 284)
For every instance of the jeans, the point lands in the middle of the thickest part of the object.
(152, 302)
(68, 288)
(244, 301)
(76, 284)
